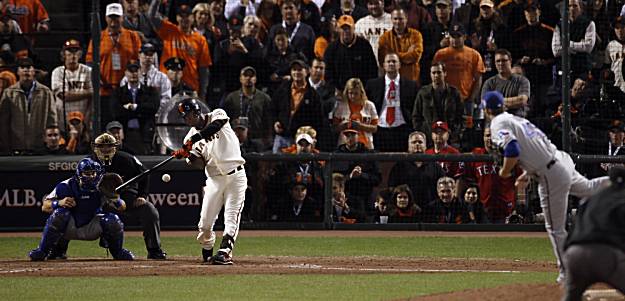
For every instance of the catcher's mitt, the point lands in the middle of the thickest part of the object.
(107, 185)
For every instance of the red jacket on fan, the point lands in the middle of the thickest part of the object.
(452, 169)
(497, 194)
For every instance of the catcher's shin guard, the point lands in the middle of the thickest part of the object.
(53, 231)
(113, 235)
(60, 250)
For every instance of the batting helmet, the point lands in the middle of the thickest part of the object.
(188, 105)
(89, 173)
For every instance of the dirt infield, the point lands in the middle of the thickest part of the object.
(308, 265)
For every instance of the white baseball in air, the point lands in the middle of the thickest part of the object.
(166, 177)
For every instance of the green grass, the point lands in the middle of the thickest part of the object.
(532, 249)
(255, 287)
(284, 287)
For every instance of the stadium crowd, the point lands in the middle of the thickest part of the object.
(346, 76)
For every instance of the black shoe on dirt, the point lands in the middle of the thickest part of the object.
(157, 254)
(222, 258)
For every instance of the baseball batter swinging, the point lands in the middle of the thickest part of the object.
(522, 142)
(212, 144)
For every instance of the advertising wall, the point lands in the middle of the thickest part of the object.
(27, 180)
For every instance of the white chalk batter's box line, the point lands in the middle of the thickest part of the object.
(303, 266)
(319, 267)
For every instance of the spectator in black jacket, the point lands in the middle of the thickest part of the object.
(54, 141)
(475, 213)
(402, 207)
(435, 36)
(350, 56)
(595, 250)
(360, 176)
(395, 113)
(298, 207)
(327, 137)
(420, 176)
(301, 35)
(279, 57)
(135, 106)
(447, 209)
(295, 104)
(231, 55)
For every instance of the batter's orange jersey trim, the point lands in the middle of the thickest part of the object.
(127, 45)
(192, 47)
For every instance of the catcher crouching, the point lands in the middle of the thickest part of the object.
(75, 207)
(105, 152)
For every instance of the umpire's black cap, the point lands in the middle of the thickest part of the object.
(174, 63)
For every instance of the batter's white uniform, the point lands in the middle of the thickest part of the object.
(554, 170)
(225, 180)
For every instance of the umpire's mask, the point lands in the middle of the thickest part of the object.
(104, 147)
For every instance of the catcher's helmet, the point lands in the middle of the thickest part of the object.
(188, 105)
(89, 173)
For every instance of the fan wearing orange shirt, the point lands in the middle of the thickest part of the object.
(118, 46)
(31, 15)
(182, 42)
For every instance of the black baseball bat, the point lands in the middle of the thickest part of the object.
(143, 174)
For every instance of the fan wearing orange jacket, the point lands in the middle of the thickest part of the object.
(182, 42)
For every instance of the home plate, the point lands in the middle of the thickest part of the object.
(603, 295)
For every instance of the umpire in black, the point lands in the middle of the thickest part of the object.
(135, 195)
(595, 249)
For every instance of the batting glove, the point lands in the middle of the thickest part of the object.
(181, 153)
(188, 146)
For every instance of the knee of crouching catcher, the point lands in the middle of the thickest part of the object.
(111, 223)
(59, 218)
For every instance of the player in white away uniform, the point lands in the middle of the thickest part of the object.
(522, 142)
(212, 143)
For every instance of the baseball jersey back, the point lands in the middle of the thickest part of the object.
(222, 154)
(536, 149)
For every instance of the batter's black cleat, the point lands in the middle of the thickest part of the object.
(222, 258)
(157, 254)
(207, 254)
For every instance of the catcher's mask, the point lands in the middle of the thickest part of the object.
(188, 105)
(89, 173)
(104, 147)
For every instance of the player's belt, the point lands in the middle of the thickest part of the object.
(551, 163)
(235, 170)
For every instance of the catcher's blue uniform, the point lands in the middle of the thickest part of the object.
(84, 221)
